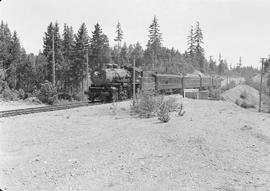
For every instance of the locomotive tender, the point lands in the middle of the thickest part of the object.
(113, 83)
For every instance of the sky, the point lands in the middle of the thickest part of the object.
(233, 28)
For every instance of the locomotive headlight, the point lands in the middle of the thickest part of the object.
(96, 73)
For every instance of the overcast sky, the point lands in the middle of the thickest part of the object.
(231, 27)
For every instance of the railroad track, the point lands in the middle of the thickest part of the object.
(16, 112)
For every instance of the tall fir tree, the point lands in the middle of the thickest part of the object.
(100, 51)
(124, 55)
(191, 45)
(15, 51)
(53, 32)
(212, 65)
(154, 42)
(199, 51)
(78, 67)
(68, 50)
(5, 45)
(118, 39)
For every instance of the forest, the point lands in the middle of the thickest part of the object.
(67, 55)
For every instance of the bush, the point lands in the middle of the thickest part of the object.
(164, 112)
(244, 94)
(21, 94)
(146, 105)
(47, 93)
(9, 95)
(244, 101)
(215, 93)
(228, 86)
(3, 85)
(172, 104)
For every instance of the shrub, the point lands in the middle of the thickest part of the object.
(48, 93)
(9, 95)
(215, 93)
(164, 112)
(228, 86)
(76, 97)
(3, 85)
(146, 105)
(172, 104)
(21, 94)
(244, 94)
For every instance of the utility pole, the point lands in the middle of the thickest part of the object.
(134, 81)
(260, 95)
(87, 69)
(53, 60)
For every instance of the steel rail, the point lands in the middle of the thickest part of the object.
(15, 112)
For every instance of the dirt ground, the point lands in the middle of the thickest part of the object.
(215, 146)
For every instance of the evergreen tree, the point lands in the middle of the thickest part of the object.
(221, 67)
(68, 50)
(124, 55)
(100, 51)
(191, 45)
(138, 53)
(5, 45)
(118, 39)
(40, 69)
(199, 51)
(25, 73)
(53, 32)
(154, 42)
(15, 55)
(212, 65)
(78, 66)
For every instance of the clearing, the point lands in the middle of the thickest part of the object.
(216, 145)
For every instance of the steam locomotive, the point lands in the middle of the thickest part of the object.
(113, 83)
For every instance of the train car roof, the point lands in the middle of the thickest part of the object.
(169, 75)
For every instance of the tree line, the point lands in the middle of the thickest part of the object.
(70, 55)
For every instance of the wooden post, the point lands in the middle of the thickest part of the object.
(260, 95)
(87, 69)
(134, 81)
(53, 60)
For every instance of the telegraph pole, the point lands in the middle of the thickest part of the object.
(87, 69)
(260, 95)
(134, 79)
(53, 60)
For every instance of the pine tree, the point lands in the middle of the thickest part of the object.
(212, 65)
(154, 43)
(118, 39)
(124, 55)
(53, 31)
(221, 67)
(191, 44)
(138, 53)
(78, 66)
(199, 51)
(68, 50)
(5, 45)
(15, 51)
(100, 51)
